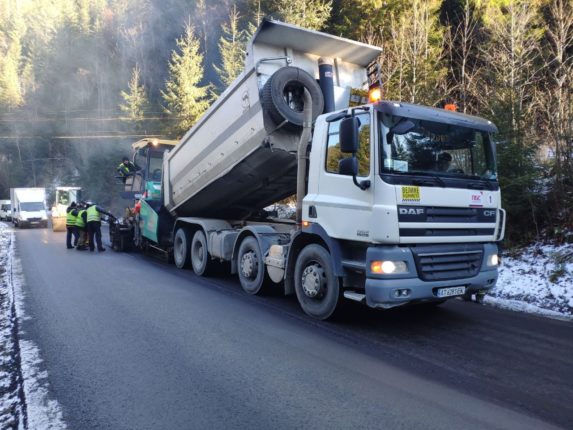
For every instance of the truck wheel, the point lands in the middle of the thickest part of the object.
(251, 267)
(200, 254)
(181, 248)
(283, 96)
(317, 287)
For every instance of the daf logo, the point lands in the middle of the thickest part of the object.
(411, 211)
(488, 213)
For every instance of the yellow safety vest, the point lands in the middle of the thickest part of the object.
(123, 169)
(93, 214)
(80, 220)
(71, 219)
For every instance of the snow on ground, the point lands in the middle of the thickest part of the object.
(537, 279)
(24, 400)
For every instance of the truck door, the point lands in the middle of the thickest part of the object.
(342, 208)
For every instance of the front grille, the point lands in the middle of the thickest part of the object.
(446, 214)
(425, 232)
(439, 263)
(34, 219)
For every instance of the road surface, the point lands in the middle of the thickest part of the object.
(130, 342)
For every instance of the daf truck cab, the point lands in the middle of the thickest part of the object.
(401, 226)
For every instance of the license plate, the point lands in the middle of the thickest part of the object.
(451, 291)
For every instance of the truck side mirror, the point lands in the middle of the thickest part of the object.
(349, 135)
(348, 166)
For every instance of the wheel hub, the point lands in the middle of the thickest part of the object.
(313, 281)
(249, 265)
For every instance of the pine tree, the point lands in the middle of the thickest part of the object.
(11, 91)
(232, 48)
(135, 101)
(412, 61)
(186, 100)
(311, 14)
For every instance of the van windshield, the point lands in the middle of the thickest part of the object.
(31, 206)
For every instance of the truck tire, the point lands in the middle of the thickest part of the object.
(283, 96)
(317, 287)
(181, 248)
(251, 267)
(200, 260)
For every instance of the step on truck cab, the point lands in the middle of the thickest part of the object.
(396, 203)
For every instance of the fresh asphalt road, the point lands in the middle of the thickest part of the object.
(130, 342)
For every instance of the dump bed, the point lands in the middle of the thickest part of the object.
(236, 160)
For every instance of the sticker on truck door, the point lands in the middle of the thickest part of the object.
(410, 194)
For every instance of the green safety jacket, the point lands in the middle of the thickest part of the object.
(93, 214)
(123, 169)
(71, 219)
(80, 219)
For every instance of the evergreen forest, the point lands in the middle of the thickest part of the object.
(80, 80)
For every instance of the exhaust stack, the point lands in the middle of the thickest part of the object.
(326, 82)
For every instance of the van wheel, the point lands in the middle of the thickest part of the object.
(181, 248)
(317, 287)
(200, 254)
(251, 267)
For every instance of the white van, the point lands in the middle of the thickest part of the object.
(5, 210)
(29, 207)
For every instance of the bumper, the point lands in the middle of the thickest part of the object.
(380, 292)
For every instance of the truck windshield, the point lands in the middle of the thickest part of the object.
(437, 149)
(6, 207)
(31, 206)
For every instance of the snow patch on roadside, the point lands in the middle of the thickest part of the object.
(537, 279)
(24, 399)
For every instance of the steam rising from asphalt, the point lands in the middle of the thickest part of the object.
(64, 125)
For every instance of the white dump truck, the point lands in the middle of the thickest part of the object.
(396, 203)
(29, 207)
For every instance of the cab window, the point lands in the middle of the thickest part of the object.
(333, 154)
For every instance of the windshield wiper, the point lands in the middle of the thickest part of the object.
(481, 185)
(431, 181)
(434, 177)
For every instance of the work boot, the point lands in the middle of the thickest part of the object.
(70, 247)
(101, 249)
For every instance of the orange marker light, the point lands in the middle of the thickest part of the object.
(451, 107)
(305, 223)
(374, 95)
(376, 267)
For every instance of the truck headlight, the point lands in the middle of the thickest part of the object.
(388, 267)
(493, 260)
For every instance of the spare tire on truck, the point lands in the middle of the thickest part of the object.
(283, 97)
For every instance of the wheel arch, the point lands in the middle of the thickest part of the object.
(313, 234)
(205, 224)
(265, 236)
